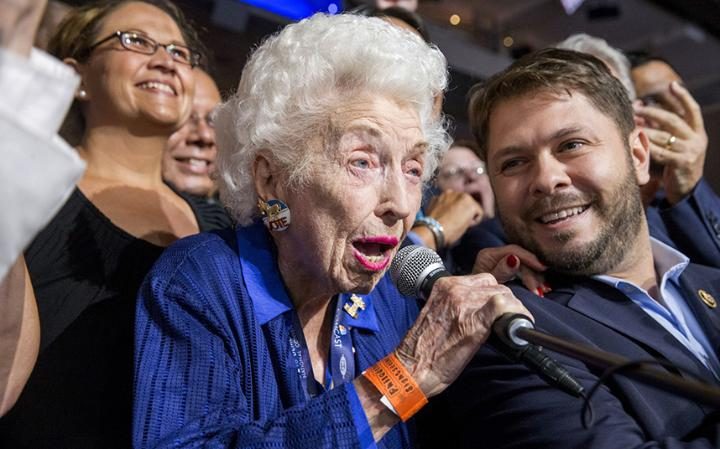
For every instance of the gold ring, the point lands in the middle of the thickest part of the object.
(671, 140)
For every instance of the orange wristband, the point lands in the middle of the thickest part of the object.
(392, 380)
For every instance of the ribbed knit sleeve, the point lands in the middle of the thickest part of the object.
(204, 376)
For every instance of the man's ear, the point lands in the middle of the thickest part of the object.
(266, 175)
(81, 94)
(640, 154)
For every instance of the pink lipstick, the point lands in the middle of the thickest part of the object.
(373, 252)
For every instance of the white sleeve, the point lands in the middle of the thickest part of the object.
(39, 169)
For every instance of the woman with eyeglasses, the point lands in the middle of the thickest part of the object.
(136, 61)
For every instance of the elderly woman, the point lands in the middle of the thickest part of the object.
(286, 332)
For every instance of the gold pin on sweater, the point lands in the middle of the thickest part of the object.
(357, 303)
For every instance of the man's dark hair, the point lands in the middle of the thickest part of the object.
(556, 71)
(642, 57)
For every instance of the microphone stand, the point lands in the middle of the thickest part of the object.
(699, 391)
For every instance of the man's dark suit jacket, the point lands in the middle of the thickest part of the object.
(499, 404)
(691, 226)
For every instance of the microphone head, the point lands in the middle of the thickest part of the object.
(411, 266)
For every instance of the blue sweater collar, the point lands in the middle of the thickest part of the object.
(266, 288)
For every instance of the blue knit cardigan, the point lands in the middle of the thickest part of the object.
(211, 368)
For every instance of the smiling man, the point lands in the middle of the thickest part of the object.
(565, 161)
(189, 159)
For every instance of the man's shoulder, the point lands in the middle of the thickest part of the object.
(577, 306)
(563, 289)
(694, 269)
(697, 278)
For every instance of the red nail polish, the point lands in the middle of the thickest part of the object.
(512, 261)
(540, 292)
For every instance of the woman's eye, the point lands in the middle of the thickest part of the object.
(136, 40)
(415, 171)
(360, 163)
(180, 53)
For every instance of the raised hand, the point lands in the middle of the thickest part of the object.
(19, 22)
(456, 212)
(678, 141)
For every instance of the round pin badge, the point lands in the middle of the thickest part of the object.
(707, 298)
(277, 215)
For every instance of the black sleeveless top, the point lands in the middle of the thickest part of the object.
(86, 273)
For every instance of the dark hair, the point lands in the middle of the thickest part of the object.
(396, 12)
(642, 57)
(551, 70)
(79, 29)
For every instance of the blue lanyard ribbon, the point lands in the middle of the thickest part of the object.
(342, 357)
(341, 366)
(301, 356)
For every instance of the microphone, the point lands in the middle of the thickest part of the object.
(505, 338)
(415, 269)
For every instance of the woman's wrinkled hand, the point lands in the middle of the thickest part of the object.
(455, 321)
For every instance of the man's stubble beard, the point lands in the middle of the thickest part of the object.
(621, 216)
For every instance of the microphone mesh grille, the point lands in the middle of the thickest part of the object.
(408, 265)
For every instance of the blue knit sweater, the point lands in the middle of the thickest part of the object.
(211, 353)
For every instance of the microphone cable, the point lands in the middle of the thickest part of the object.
(587, 409)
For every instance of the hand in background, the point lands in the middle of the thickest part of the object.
(678, 141)
(456, 211)
(19, 22)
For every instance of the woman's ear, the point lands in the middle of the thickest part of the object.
(265, 176)
(640, 154)
(81, 94)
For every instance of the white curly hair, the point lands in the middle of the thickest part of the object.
(296, 79)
